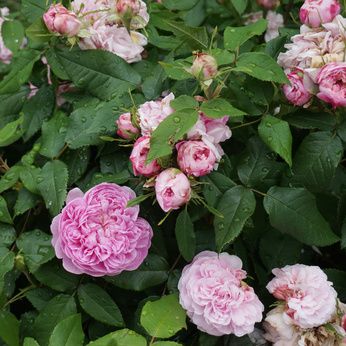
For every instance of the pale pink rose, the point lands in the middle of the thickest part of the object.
(126, 129)
(60, 91)
(332, 84)
(215, 297)
(316, 12)
(204, 67)
(172, 189)
(275, 22)
(309, 296)
(5, 53)
(115, 39)
(92, 11)
(296, 92)
(98, 235)
(343, 322)
(151, 114)
(139, 156)
(61, 21)
(127, 7)
(142, 19)
(195, 158)
(133, 11)
(268, 4)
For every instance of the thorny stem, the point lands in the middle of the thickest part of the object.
(20, 295)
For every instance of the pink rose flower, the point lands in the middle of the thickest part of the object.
(268, 4)
(92, 10)
(5, 53)
(195, 158)
(60, 20)
(151, 114)
(98, 235)
(296, 92)
(215, 298)
(275, 22)
(126, 129)
(172, 189)
(316, 12)
(204, 67)
(136, 10)
(332, 83)
(309, 296)
(139, 156)
(127, 7)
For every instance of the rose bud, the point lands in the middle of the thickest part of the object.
(314, 13)
(60, 20)
(195, 158)
(268, 4)
(139, 156)
(126, 129)
(128, 7)
(204, 67)
(332, 83)
(296, 92)
(172, 189)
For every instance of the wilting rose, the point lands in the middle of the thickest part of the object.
(172, 189)
(268, 4)
(60, 20)
(126, 129)
(309, 296)
(316, 12)
(151, 114)
(296, 92)
(139, 156)
(195, 158)
(204, 67)
(215, 297)
(5, 53)
(98, 235)
(332, 84)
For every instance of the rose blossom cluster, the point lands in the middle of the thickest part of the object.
(307, 302)
(216, 298)
(110, 25)
(315, 61)
(5, 53)
(196, 155)
(97, 234)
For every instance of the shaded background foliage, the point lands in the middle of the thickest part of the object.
(281, 184)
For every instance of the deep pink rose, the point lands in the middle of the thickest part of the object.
(195, 158)
(204, 67)
(126, 129)
(296, 92)
(60, 20)
(172, 189)
(268, 4)
(215, 297)
(332, 83)
(317, 12)
(139, 156)
(309, 296)
(98, 235)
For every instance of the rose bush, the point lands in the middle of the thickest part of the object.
(172, 173)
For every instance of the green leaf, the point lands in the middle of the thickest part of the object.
(261, 66)
(99, 304)
(57, 309)
(277, 135)
(218, 108)
(53, 135)
(170, 130)
(10, 178)
(39, 297)
(77, 163)
(12, 32)
(4, 213)
(12, 103)
(38, 32)
(25, 201)
(11, 132)
(9, 328)
(153, 272)
(55, 64)
(237, 205)
(34, 9)
(102, 73)
(293, 211)
(37, 109)
(123, 337)
(52, 184)
(36, 247)
(240, 5)
(176, 70)
(316, 160)
(185, 235)
(183, 102)
(338, 278)
(68, 332)
(54, 276)
(7, 235)
(6, 263)
(234, 37)
(166, 343)
(20, 72)
(163, 318)
(29, 176)
(30, 342)
(179, 5)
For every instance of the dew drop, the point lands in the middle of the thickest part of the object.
(176, 119)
